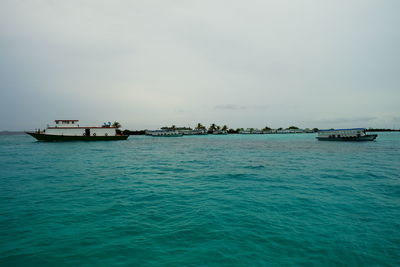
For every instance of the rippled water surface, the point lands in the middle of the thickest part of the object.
(235, 200)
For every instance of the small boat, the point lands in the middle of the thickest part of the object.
(355, 134)
(164, 133)
(220, 132)
(69, 130)
(192, 132)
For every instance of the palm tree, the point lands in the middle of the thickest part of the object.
(266, 128)
(116, 124)
(200, 126)
(212, 127)
(224, 128)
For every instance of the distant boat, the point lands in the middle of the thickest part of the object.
(164, 133)
(355, 134)
(184, 130)
(69, 130)
(220, 132)
(193, 132)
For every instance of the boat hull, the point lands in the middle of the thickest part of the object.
(66, 138)
(369, 137)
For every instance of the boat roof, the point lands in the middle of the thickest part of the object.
(351, 129)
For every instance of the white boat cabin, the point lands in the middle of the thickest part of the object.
(72, 128)
(340, 133)
(66, 123)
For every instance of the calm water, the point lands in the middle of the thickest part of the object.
(237, 200)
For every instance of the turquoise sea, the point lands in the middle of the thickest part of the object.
(233, 200)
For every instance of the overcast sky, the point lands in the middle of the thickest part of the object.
(242, 63)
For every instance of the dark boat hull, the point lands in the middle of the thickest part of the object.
(66, 138)
(369, 137)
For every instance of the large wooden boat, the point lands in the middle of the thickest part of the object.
(355, 134)
(70, 130)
